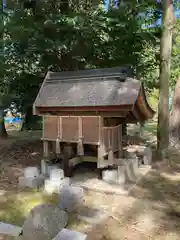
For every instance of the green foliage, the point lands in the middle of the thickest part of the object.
(60, 37)
(55, 39)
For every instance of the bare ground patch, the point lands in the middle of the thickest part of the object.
(151, 211)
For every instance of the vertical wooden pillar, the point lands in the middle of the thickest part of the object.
(110, 157)
(120, 147)
(141, 129)
(45, 150)
(44, 167)
(59, 137)
(58, 148)
(80, 146)
(45, 142)
(111, 146)
(100, 145)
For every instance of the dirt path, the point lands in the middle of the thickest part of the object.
(152, 211)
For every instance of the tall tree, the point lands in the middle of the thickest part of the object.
(165, 61)
(175, 77)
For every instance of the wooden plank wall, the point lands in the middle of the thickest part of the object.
(50, 127)
(71, 129)
(90, 129)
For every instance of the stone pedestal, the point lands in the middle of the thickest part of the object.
(121, 175)
(31, 178)
(116, 176)
(54, 186)
(147, 158)
(51, 167)
(131, 169)
(110, 175)
(56, 174)
(44, 167)
(31, 172)
(31, 182)
(67, 234)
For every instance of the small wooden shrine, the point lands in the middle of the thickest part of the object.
(88, 107)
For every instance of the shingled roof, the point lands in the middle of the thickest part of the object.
(88, 88)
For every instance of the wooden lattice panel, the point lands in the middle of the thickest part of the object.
(115, 139)
(90, 129)
(70, 129)
(50, 126)
(106, 141)
(112, 138)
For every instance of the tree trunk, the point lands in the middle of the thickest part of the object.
(3, 132)
(165, 61)
(175, 116)
(27, 119)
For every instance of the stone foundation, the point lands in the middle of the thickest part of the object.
(32, 178)
(35, 182)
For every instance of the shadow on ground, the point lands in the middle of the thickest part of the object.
(153, 214)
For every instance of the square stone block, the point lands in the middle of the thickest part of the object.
(31, 172)
(51, 167)
(121, 175)
(67, 234)
(131, 169)
(56, 174)
(110, 175)
(117, 176)
(53, 186)
(31, 182)
(10, 230)
(44, 167)
(147, 158)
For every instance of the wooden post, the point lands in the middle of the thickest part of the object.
(80, 146)
(59, 139)
(120, 142)
(43, 122)
(110, 145)
(60, 128)
(58, 148)
(110, 157)
(46, 149)
(45, 157)
(100, 146)
(67, 152)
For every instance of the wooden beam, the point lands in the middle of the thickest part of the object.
(100, 156)
(46, 149)
(118, 108)
(80, 147)
(107, 114)
(58, 147)
(120, 147)
(60, 128)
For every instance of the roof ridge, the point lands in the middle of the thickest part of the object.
(121, 72)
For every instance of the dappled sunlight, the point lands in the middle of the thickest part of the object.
(175, 176)
(15, 208)
(146, 222)
(2, 193)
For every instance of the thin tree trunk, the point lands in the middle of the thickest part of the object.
(165, 62)
(3, 132)
(175, 116)
(27, 120)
